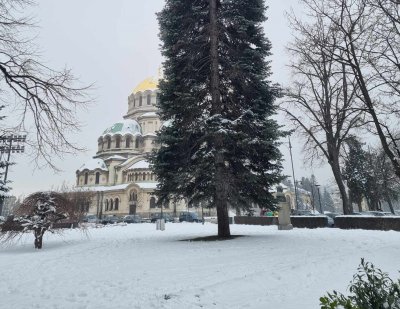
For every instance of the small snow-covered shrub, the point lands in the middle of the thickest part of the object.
(371, 289)
(38, 213)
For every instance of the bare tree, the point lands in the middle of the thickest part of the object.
(43, 96)
(322, 101)
(368, 45)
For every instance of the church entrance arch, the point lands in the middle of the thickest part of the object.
(132, 202)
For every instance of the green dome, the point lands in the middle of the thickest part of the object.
(124, 127)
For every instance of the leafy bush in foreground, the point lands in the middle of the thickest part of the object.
(371, 289)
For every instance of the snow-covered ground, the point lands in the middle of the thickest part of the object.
(136, 266)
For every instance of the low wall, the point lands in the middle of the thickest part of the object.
(368, 223)
(310, 222)
(256, 220)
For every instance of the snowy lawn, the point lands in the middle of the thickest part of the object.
(135, 266)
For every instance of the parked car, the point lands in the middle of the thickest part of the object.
(331, 222)
(332, 215)
(132, 219)
(300, 212)
(331, 218)
(376, 213)
(189, 217)
(157, 215)
(110, 219)
(90, 219)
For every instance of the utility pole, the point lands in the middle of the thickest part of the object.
(7, 147)
(319, 198)
(312, 192)
(294, 178)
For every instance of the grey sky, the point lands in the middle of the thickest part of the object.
(115, 44)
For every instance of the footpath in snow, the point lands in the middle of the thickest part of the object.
(135, 266)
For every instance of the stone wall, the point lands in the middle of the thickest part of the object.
(310, 222)
(368, 223)
(256, 220)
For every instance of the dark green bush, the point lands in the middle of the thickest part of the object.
(371, 289)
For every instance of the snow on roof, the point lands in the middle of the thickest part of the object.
(123, 127)
(140, 164)
(147, 185)
(116, 157)
(93, 164)
(149, 114)
(105, 188)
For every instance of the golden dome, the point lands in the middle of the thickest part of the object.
(150, 83)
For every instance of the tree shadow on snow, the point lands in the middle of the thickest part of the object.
(213, 238)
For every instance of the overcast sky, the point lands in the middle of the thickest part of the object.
(115, 45)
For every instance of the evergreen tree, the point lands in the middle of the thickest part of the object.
(220, 144)
(355, 171)
(287, 182)
(308, 184)
(369, 174)
(327, 201)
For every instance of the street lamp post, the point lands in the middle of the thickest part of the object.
(7, 147)
(319, 198)
(294, 178)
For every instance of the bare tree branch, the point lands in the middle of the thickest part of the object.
(46, 97)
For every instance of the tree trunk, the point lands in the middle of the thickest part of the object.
(221, 184)
(334, 163)
(349, 195)
(38, 238)
(359, 206)
(389, 201)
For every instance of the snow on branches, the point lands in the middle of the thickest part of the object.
(38, 213)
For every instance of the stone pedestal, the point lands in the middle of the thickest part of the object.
(160, 224)
(284, 217)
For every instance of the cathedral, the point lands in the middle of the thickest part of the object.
(119, 173)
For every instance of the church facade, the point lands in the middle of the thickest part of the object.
(119, 174)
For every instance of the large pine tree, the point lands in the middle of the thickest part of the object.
(220, 145)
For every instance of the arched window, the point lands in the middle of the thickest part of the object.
(86, 178)
(106, 205)
(128, 142)
(152, 202)
(134, 102)
(116, 204)
(140, 100)
(97, 178)
(137, 143)
(149, 99)
(118, 141)
(133, 196)
(108, 142)
(111, 204)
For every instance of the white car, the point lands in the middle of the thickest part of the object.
(90, 219)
